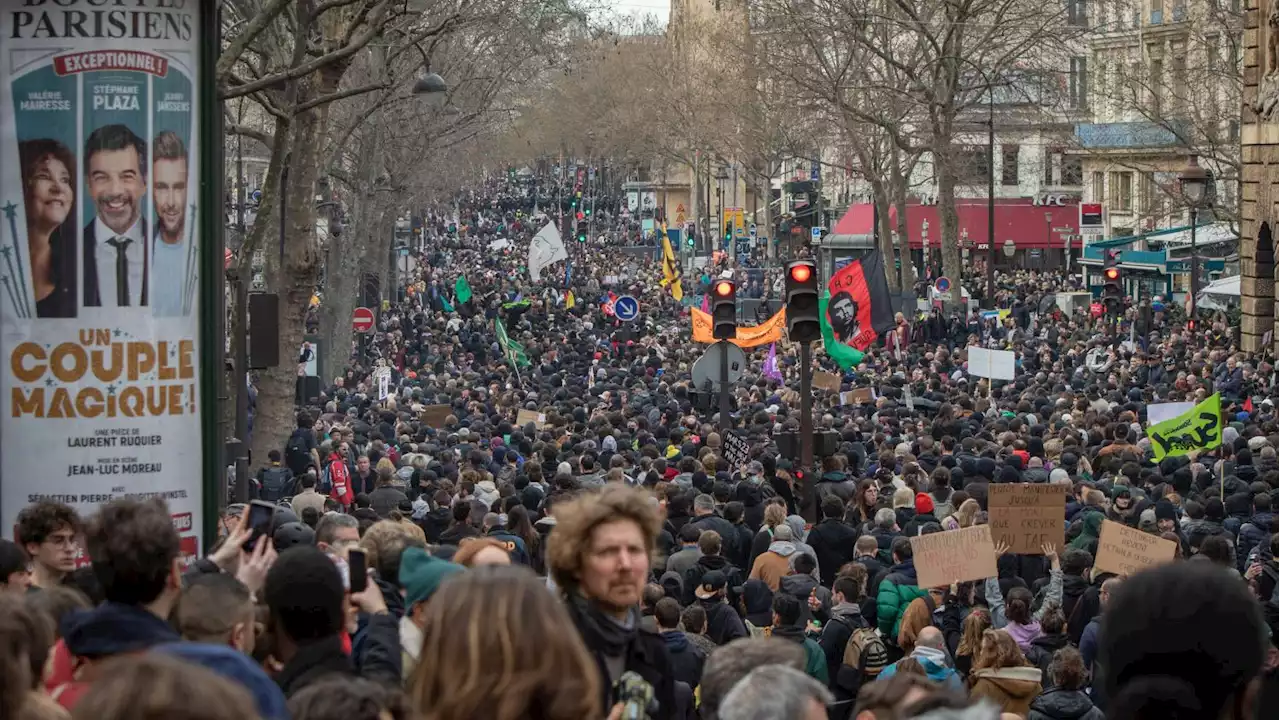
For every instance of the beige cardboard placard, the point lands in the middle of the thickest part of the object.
(826, 381)
(524, 417)
(1124, 551)
(1025, 516)
(954, 556)
(433, 416)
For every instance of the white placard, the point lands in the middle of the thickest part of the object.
(1159, 412)
(994, 364)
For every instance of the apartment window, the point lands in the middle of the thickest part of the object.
(1155, 81)
(1178, 79)
(1072, 171)
(1097, 182)
(1078, 83)
(1233, 131)
(1009, 165)
(971, 166)
(1157, 12)
(1076, 13)
(1048, 167)
(1150, 194)
(1179, 10)
(1121, 195)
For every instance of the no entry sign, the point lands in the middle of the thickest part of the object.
(362, 320)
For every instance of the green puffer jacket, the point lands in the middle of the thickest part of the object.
(896, 592)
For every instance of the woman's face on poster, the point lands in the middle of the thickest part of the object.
(49, 193)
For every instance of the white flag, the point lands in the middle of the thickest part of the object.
(546, 248)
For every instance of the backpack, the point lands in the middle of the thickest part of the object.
(275, 483)
(950, 620)
(297, 457)
(865, 656)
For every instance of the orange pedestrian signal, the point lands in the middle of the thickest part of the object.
(1111, 273)
(801, 273)
(724, 288)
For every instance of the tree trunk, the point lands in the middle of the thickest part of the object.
(295, 278)
(947, 241)
(765, 192)
(880, 197)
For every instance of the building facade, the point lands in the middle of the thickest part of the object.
(1260, 189)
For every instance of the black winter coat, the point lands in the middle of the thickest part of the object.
(832, 541)
(1059, 704)
(646, 655)
(687, 659)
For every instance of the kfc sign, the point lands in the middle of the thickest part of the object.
(1053, 199)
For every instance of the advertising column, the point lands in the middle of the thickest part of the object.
(99, 263)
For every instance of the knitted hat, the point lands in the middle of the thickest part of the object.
(924, 504)
(421, 575)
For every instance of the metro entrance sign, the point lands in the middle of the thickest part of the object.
(362, 320)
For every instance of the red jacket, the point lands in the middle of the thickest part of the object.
(340, 480)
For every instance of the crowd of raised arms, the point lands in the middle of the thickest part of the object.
(551, 528)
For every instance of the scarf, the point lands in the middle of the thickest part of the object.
(601, 632)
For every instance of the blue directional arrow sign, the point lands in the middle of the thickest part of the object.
(626, 308)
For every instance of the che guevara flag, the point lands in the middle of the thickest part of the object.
(859, 309)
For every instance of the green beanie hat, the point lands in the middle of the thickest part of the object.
(421, 575)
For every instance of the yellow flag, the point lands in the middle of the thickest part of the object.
(670, 268)
(569, 300)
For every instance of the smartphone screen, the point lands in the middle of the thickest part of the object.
(259, 523)
(356, 570)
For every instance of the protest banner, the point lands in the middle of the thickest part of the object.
(1025, 516)
(954, 556)
(1124, 551)
(433, 416)
(524, 417)
(1199, 428)
(994, 364)
(734, 451)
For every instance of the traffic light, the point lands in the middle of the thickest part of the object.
(1112, 284)
(581, 215)
(724, 310)
(803, 323)
(582, 232)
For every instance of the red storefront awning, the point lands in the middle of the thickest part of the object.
(1017, 219)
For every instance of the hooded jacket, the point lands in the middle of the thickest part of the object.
(832, 541)
(1041, 650)
(774, 564)
(1060, 704)
(815, 665)
(237, 667)
(705, 564)
(936, 665)
(893, 596)
(1011, 688)
(801, 587)
(835, 636)
(723, 623)
(687, 658)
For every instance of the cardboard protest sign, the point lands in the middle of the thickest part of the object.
(954, 556)
(433, 416)
(861, 396)
(826, 381)
(1025, 516)
(524, 417)
(1124, 551)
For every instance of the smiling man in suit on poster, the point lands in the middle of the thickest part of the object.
(115, 241)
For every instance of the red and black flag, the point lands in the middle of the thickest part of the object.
(860, 309)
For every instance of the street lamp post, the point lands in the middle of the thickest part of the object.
(1194, 180)
(1048, 232)
(964, 245)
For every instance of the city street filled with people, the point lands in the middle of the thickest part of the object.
(515, 502)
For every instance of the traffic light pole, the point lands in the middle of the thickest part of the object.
(724, 388)
(808, 509)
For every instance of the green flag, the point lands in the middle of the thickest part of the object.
(845, 356)
(445, 302)
(512, 350)
(1199, 428)
(462, 289)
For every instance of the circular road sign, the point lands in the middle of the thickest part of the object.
(626, 308)
(362, 320)
(942, 284)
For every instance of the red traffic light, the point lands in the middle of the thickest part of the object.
(801, 273)
(1111, 273)
(581, 215)
(724, 288)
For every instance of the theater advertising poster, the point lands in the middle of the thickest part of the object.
(99, 256)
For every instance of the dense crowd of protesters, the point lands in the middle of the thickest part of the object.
(598, 556)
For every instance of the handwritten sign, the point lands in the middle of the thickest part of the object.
(826, 381)
(861, 396)
(735, 451)
(434, 416)
(1024, 516)
(1124, 551)
(954, 556)
(524, 417)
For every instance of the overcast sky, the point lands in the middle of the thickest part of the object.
(658, 8)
